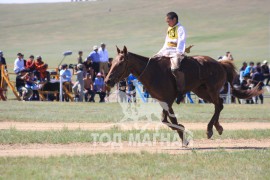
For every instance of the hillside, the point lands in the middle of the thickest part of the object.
(214, 27)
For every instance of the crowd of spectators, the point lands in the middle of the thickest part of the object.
(91, 71)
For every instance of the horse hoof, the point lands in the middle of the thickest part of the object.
(220, 130)
(209, 134)
(185, 143)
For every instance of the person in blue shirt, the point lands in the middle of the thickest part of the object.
(249, 70)
(257, 78)
(99, 88)
(65, 73)
(131, 91)
(94, 56)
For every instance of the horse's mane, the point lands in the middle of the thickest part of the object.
(139, 56)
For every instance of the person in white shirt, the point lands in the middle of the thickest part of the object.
(174, 47)
(19, 63)
(228, 56)
(104, 59)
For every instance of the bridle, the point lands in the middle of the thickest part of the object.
(127, 68)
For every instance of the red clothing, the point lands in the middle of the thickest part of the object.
(30, 64)
(41, 67)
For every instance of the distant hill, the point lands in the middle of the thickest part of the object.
(214, 27)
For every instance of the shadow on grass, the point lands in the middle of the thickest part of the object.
(220, 148)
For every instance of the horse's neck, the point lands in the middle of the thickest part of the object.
(138, 65)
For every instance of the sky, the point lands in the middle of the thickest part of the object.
(31, 1)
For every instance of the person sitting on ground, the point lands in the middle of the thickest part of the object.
(41, 67)
(25, 92)
(78, 86)
(266, 72)
(19, 63)
(99, 88)
(88, 88)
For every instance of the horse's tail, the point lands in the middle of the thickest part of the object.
(231, 74)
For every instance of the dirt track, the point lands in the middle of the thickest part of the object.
(32, 126)
(45, 150)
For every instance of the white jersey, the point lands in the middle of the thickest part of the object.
(175, 41)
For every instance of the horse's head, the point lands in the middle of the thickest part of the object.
(119, 69)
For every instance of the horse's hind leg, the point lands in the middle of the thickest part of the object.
(213, 97)
(218, 127)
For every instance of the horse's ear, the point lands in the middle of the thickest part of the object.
(118, 50)
(125, 50)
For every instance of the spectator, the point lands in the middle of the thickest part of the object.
(30, 63)
(19, 63)
(99, 88)
(249, 70)
(266, 72)
(41, 67)
(131, 92)
(25, 92)
(258, 65)
(244, 85)
(242, 70)
(188, 95)
(3, 60)
(122, 86)
(88, 67)
(78, 86)
(88, 88)
(104, 59)
(65, 73)
(80, 61)
(257, 78)
(95, 60)
(31, 83)
(66, 78)
(228, 56)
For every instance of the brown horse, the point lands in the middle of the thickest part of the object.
(203, 75)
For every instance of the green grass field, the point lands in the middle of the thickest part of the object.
(211, 165)
(65, 136)
(96, 112)
(213, 27)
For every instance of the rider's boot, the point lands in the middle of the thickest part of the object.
(180, 83)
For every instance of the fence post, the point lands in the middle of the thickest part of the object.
(61, 89)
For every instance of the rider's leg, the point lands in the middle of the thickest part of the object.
(179, 76)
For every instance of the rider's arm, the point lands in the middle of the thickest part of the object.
(181, 44)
